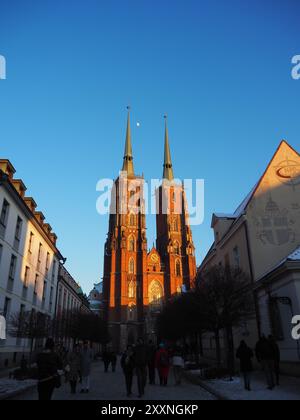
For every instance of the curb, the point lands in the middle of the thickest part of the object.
(17, 392)
(196, 380)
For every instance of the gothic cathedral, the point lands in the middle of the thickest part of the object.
(137, 282)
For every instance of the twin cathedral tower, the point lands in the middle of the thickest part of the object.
(137, 282)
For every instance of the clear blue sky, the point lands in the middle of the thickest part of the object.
(220, 69)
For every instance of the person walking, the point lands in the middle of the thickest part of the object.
(113, 360)
(106, 360)
(151, 362)
(49, 365)
(178, 364)
(245, 355)
(85, 367)
(264, 355)
(141, 361)
(162, 364)
(74, 365)
(127, 363)
(276, 357)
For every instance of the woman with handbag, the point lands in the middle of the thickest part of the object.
(48, 363)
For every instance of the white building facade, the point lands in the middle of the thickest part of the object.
(29, 260)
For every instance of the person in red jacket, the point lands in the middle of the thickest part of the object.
(162, 364)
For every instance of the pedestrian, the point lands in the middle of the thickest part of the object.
(106, 360)
(245, 355)
(74, 365)
(178, 364)
(113, 360)
(275, 357)
(151, 362)
(162, 364)
(264, 355)
(128, 365)
(85, 367)
(49, 366)
(141, 361)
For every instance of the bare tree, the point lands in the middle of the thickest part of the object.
(30, 325)
(221, 300)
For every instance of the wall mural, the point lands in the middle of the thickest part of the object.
(275, 226)
(288, 173)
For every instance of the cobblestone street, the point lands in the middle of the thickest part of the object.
(111, 386)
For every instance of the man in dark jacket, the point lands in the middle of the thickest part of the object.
(127, 363)
(151, 362)
(245, 355)
(141, 361)
(48, 363)
(264, 354)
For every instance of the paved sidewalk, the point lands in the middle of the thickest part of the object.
(111, 386)
(10, 388)
(289, 389)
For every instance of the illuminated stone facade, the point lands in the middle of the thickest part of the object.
(136, 281)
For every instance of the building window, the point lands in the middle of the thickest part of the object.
(47, 264)
(131, 290)
(4, 217)
(176, 248)
(131, 245)
(236, 257)
(12, 273)
(39, 256)
(18, 233)
(155, 293)
(132, 220)
(175, 225)
(36, 284)
(131, 266)
(6, 310)
(31, 236)
(44, 290)
(26, 277)
(178, 268)
(53, 271)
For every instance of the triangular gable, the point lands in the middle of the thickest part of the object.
(283, 159)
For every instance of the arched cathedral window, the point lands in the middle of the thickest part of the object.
(131, 244)
(132, 220)
(176, 248)
(131, 291)
(175, 225)
(178, 268)
(131, 266)
(155, 293)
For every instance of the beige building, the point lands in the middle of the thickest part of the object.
(70, 298)
(29, 260)
(263, 238)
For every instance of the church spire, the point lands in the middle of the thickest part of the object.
(168, 167)
(128, 157)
